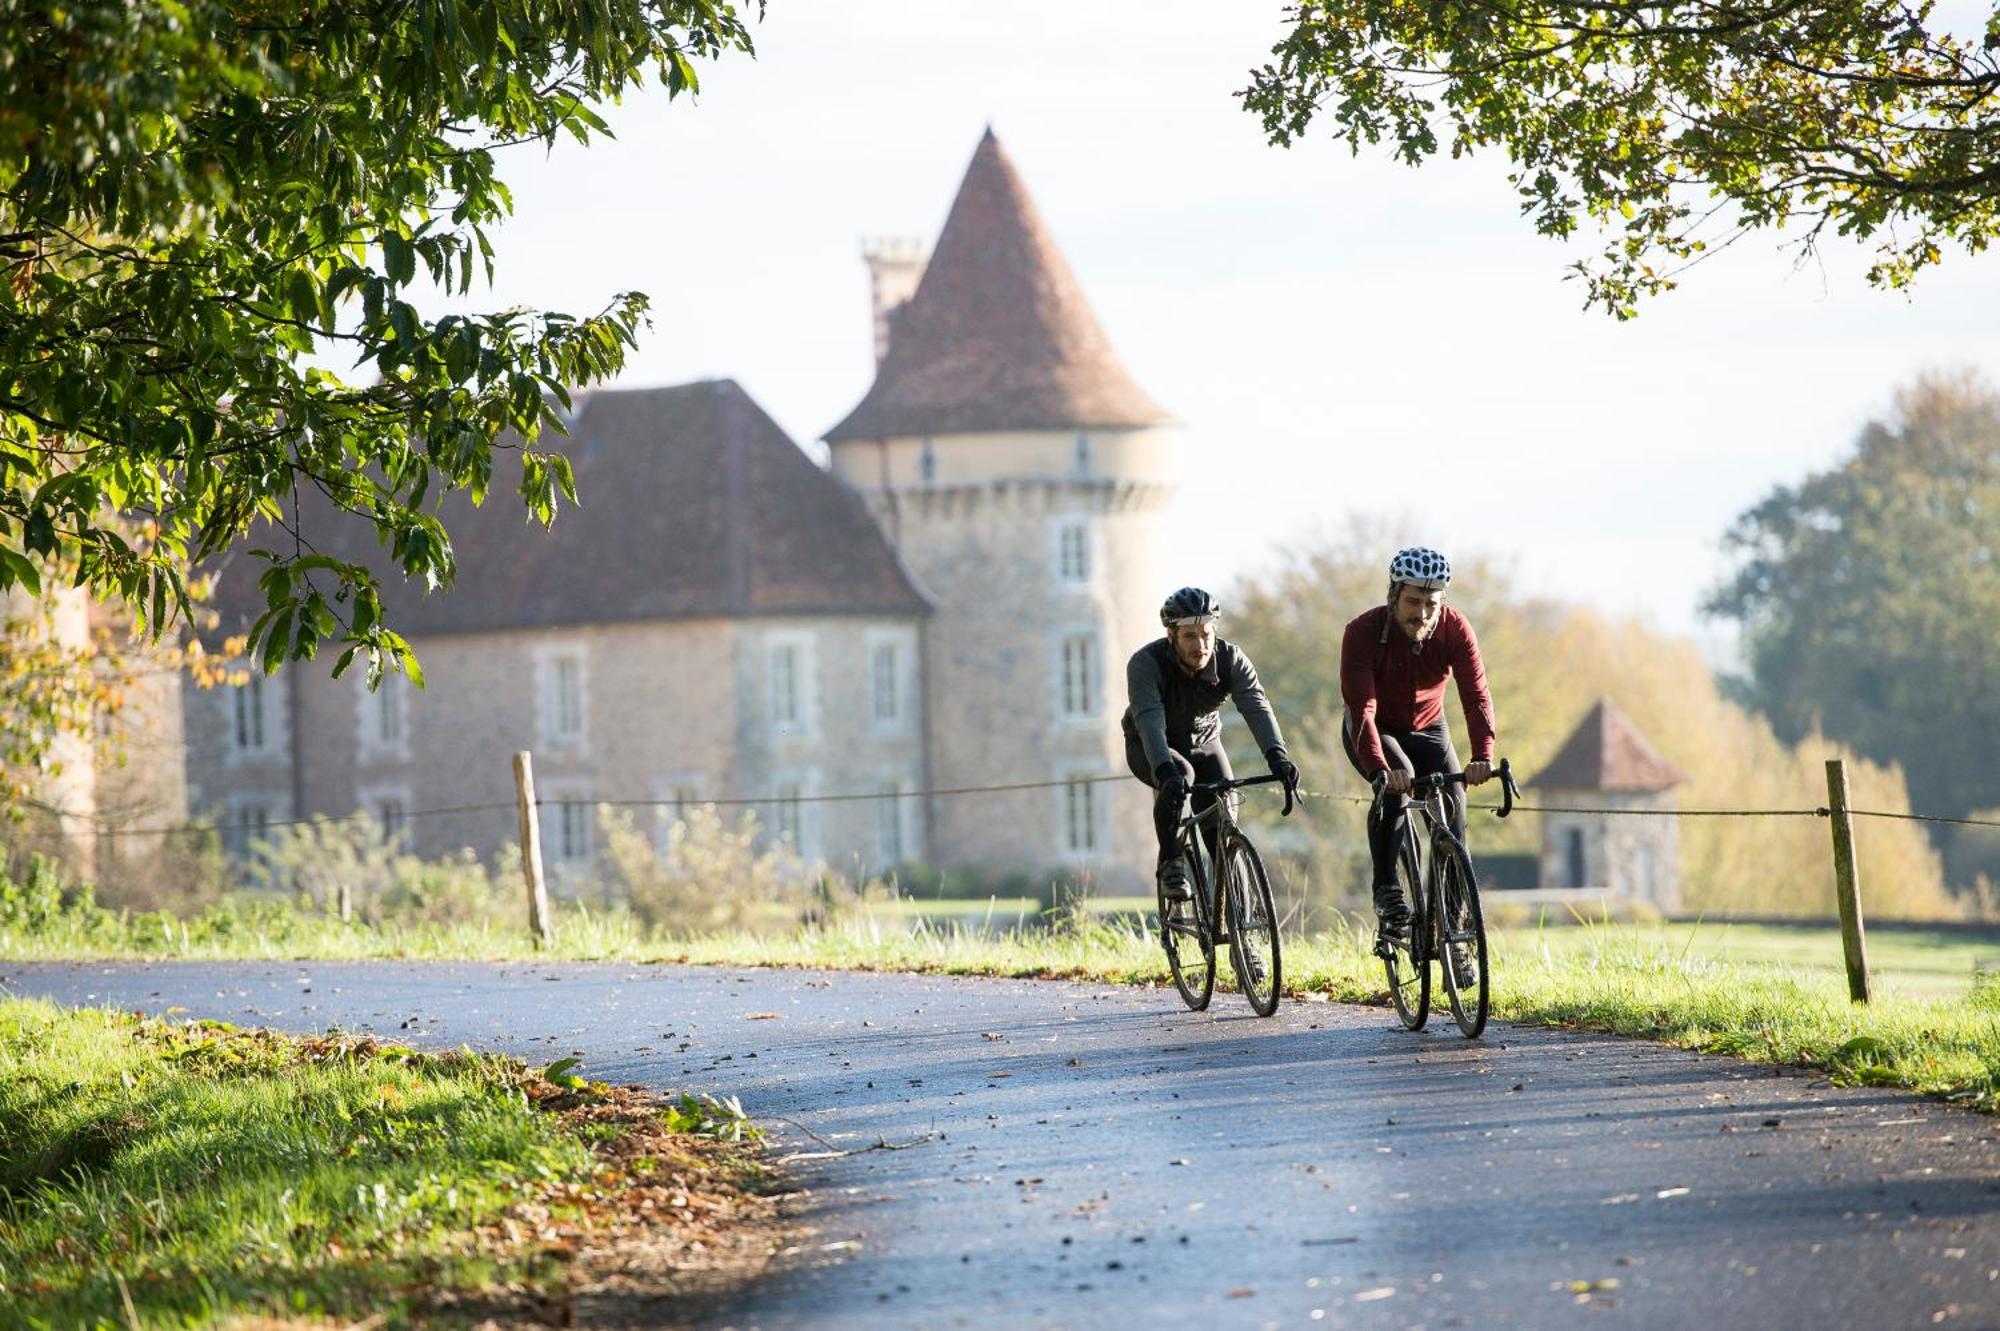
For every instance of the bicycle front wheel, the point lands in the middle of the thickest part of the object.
(1408, 962)
(1253, 924)
(1189, 939)
(1461, 930)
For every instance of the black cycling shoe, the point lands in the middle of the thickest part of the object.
(1174, 881)
(1393, 932)
(1462, 972)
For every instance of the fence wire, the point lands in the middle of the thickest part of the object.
(111, 830)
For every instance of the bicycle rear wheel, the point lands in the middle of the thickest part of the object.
(1188, 936)
(1461, 930)
(1253, 924)
(1408, 963)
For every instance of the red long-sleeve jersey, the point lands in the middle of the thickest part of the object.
(1388, 686)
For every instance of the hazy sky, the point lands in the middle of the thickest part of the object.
(1338, 335)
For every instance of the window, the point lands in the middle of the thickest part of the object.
(786, 823)
(246, 822)
(1082, 453)
(563, 697)
(571, 842)
(885, 671)
(1079, 674)
(788, 670)
(1079, 817)
(677, 798)
(568, 697)
(1073, 553)
(390, 808)
(889, 827)
(249, 733)
(927, 462)
(1577, 876)
(785, 685)
(384, 716)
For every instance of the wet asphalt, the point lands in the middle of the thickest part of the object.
(1002, 1153)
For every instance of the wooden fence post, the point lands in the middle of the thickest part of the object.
(1847, 881)
(531, 849)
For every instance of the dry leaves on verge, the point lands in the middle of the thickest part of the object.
(670, 1227)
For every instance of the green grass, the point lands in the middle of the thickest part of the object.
(1901, 961)
(1646, 981)
(199, 1171)
(1762, 992)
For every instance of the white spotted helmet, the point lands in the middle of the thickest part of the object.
(1420, 566)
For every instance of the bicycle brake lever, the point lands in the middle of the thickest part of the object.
(1509, 792)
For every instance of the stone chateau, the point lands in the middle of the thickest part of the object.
(948, 604)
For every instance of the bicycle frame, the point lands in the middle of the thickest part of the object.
(1223, 814)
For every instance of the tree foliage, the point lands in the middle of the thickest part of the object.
(69, 672)
(1547, 663)
(1674, 124)
(198, 198)
(1869, 595)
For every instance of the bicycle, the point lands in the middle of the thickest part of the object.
(1189, 926)
(1444, 909)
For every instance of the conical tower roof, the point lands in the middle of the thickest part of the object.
(1608, 754)
(998, 335)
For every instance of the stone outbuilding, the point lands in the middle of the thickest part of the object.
(1608, 765)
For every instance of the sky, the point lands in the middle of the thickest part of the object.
(1339, 336)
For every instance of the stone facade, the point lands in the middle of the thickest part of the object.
(1041, 553)
(1638, 859)
(668, 714)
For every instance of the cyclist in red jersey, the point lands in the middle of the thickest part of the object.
(1394, 661)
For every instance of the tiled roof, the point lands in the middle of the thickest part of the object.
(998, 335)
(1606, 753)
(693, 504)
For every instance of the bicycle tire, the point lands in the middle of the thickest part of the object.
(1253, 924)
(1185, 926)
(1460, 921)
(1408, 965)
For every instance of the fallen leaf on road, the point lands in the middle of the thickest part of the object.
(1370, 1295)
(991, 1035)
(1181, 1161)
(1672, 1192)
(1621, 1199)
(1242, 1291)
(760, 1016)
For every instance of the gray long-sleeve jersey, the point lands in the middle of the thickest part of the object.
(1170, 709)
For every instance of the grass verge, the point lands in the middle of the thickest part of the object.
(1623, 979)
(1668, 983)
(165, 1174)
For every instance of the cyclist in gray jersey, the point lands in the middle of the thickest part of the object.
(1175, 687)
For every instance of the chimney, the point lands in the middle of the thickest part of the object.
(895, 266)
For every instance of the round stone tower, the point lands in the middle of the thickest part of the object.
(1020, 474)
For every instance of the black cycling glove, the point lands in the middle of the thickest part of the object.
(1283, 768)
(1171, 781)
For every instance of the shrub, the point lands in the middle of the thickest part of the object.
(713, 876)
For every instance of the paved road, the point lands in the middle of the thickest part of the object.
(1082, 1156)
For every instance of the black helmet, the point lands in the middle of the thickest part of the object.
(1189, 603)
